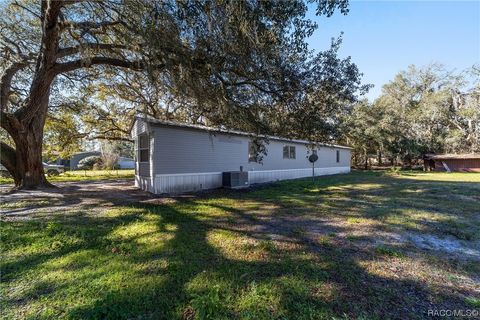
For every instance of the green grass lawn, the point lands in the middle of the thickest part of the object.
(291, 250)
(82, 175)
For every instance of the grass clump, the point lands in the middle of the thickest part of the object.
(474, 302)
(461, 230)
(81, 175)
(389, 251)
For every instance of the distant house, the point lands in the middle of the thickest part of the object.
(126, 163)
(72, 163)
(452, 162)
(76, 157)
(174, 157)
(122, 162)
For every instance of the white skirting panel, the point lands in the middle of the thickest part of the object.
(144, 183)
(185, 182)
(275, 175)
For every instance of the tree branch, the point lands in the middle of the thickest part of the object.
(88, 25)
(226, 83)
(89, 62)
(63, 52)
(15, 3)
(7, 157)
(8, 42)
(6, 82)
(102, 137)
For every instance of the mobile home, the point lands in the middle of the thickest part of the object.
(173, 157)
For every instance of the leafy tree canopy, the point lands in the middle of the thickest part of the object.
(422, 110)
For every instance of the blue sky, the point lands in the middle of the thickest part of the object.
(384, 37)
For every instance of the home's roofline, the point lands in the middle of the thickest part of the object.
(234, 132)
(452, 156)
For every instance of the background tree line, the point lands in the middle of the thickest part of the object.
(422, 110)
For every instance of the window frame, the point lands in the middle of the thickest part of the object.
(289, 152)
(338, 156)
(294, 151)
(144, 148)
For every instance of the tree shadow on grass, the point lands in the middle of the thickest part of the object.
(306, 280)
(64, 235)
(236, 265)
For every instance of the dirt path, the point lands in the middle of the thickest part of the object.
(69, 196)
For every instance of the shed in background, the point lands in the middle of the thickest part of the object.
(452, 162)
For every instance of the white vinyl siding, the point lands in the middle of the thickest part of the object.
(185, 182)
(184, 150)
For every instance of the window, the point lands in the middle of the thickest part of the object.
(338, 155)
(143, 148)
(252, 152)
(289, 152)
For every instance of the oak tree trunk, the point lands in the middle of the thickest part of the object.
(28, 167)
(25, 124)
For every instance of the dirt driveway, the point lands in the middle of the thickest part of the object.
(69, 196)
